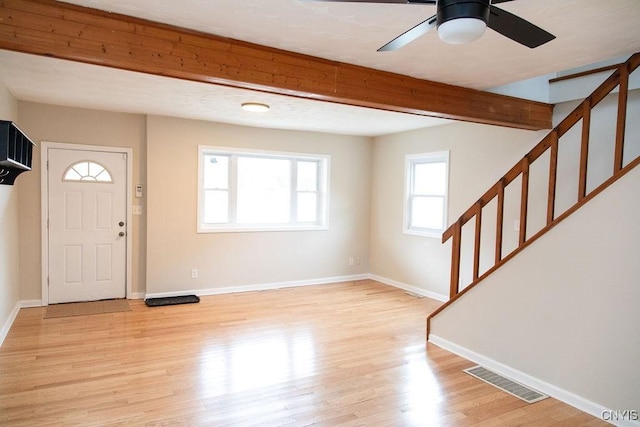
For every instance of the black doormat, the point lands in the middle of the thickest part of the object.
(183, 299)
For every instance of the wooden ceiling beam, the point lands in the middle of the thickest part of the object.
(64, 31)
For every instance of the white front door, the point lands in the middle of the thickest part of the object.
(87, 195)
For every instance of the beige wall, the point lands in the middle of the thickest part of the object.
(9, 243)
(565, 310)
(77, 126)
(590, 326)
(479, 156)
(248, 259)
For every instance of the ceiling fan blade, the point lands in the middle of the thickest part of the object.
(410, 35)
(381, 1)
(517, 29)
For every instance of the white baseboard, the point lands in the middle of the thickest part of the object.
(259, 287)
(30, 303)
(549, 389)
(280, 285)
(136, 295)
(410, 288)
(9, 322)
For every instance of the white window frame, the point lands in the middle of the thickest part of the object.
(82, 179)
(410, 161)
(323, 161)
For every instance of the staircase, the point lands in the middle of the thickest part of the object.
(490, 208)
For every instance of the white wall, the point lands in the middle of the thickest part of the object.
(9, 243)
(479, 156)
(565, 311)
(541, 89)
(234, 260)
(576, 88)
(535, 89)
(601, 145)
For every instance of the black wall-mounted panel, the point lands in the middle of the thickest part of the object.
(16, 152)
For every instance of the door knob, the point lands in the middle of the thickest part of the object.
(121, 224)
(121, 234)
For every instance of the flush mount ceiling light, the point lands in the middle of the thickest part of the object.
(255, 107)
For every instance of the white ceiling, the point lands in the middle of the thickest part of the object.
(588, 31)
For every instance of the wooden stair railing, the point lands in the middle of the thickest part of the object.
(619, 77)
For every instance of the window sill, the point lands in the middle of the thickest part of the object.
(260, 229)
(436, 234)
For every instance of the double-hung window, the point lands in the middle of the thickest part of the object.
(242, 190)
(426, 188)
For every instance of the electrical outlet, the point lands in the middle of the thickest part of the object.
(351, 262)
(358, 260)
(194, 273)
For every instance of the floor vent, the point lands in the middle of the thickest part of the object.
(505, 384)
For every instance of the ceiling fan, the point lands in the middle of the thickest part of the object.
(463, 21)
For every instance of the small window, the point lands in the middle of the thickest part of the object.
(426, 192)
(87, 172)
(261, 191)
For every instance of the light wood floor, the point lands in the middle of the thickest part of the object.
(340, 354)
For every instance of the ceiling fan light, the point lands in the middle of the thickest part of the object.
(461, 30)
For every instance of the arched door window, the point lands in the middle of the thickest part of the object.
(87, 171)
